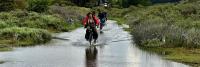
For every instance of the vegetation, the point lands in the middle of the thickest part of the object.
(70, 12)
(21, 4)
(22, 36)
(6, 5)
(31, 22)
(163, 27)
(114, 13)
(38, 5)
(2, 62)
(31, 27)
(184, 55)
(92, 3)
(168, 25)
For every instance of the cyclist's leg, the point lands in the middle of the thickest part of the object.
(101, 24)
(87, 35)
(95, 35)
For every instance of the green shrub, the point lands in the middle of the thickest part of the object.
(166, 24)
(21, 4)
(48, 22)
(145, 32)
(70, 12)
(5, 16)
(174, 37)
(20, 13)
(7, 5)
(188, 24)
(23, 36)
(3, 24)
(34, 20)
(63, 2)
(39, 5)
(193, 37)
(116, 12)
(188, 9)
(152, 43)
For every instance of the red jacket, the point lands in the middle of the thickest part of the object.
(95, 19)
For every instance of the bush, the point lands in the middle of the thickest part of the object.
(188, 9)
(21, 4)
(152, 43)
(63, 2)
(48, 22)
(193, 37)
(166, 25)
(112, 12)
(23, 36)
(70, 12)
(34, 20)
(188, 24)
(39, 5)
(3, 24)
(145, 32)
(7, 5)
(116, 12)
(174, 37)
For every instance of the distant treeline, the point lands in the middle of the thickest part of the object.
(164, 1)
(6, 5)
(120, 3)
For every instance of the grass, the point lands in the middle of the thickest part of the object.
(33, 20)
(119, 20)
(22, 36)
(184, 55)
(74, 26)
(5, 49)
(70, 12)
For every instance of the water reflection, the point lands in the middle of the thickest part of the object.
(91, 56)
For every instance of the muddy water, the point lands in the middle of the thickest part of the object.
(114, 49)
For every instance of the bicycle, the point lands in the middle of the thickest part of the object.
(91, 30)
(91, 35)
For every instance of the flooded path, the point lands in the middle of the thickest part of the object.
(114, 49)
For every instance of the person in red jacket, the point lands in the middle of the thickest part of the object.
(91, 21)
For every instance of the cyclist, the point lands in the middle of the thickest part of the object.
(103, 18)
(91, 21)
